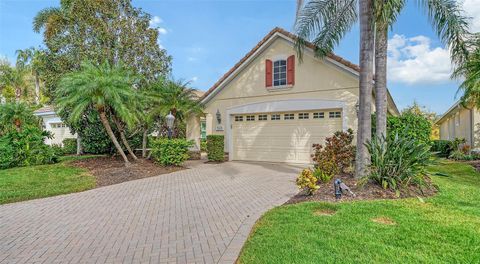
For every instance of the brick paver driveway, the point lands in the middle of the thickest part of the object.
(198, 215)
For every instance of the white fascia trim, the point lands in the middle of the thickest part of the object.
(280, 106)
(45, 113)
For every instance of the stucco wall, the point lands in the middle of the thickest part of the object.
(458, 124)
(314, 79)
(57, 137)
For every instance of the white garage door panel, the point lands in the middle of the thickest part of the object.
(281, 140)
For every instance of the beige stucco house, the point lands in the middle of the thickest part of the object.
(461, 122)
(52, 123)
(271, 107)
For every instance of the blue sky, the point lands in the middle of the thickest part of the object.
(206, 38)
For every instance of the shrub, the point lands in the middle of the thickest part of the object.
(306, 181)
(322, 175)
(170, 151)
(25, 147)
(215, 148)
(70, 146)
(465, 149)
(58, 149)
(460, 155)
(442, 147)
(398, 163)
(408, 125)
(203, 145)
(337, 155)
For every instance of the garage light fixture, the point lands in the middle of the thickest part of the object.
(219, 116)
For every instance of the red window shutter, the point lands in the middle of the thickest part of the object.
(291, 70)
(268, 73)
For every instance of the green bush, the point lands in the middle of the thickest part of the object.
(442, 147)
(215, 148)
(407, 125)
(203, 145)
(58, 149)
(460, 155)
(400, 162)
(25, 147)
(324, 176)
(170, 151)
(70, 146)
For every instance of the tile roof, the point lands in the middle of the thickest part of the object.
(282, 31)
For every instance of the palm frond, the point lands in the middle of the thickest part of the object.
(450, 24)
(326, 22)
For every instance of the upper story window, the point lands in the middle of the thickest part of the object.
(279, 73)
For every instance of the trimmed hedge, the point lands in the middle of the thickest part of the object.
(170, 151)
(443, 147)
(215, 148)
(70, 146)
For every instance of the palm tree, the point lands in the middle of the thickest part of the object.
(32, 59)
(328, 21)
(108, 89)
(176, 97)
(15, 115)
(14, 78)
(470, 71)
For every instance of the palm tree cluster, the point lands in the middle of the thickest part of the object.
(326, 22)
(111, 91)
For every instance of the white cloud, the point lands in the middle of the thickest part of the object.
(472, 9)
(155, 21)
(194, 79)
(415, 61)
(162, 30)
(191, 59)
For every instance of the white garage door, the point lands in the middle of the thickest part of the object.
(282, 137)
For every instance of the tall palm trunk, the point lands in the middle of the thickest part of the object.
(37, 89)
(364, 131)
(381, 40)
(106, 124)
(123, 138)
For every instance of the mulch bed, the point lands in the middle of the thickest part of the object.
(369, 191)
(111, 170)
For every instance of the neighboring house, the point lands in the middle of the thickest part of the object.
(272, 108)
(53, 123)
(461, 122)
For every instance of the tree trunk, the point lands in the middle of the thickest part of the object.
(37, 89)
(107, 127)
(79, 145)
(144, 143)
(364, 131)
(381, 41)
(123, 138)
(18, 94)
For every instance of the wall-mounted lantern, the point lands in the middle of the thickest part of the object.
(219, 116)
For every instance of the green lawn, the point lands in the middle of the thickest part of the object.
(25, 183)
(441, 229)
